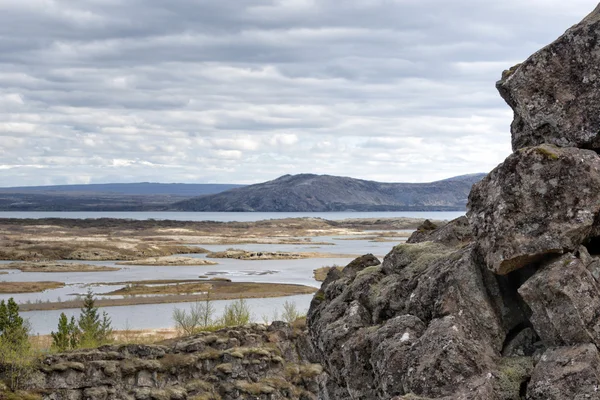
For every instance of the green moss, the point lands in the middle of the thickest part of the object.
(225, 368)
(507, 73)
(369, 270)
(419, 256)
(199, 385)
(19, 395)
(546, 150)
(176, 360)
(254, 388)
(513, 371)
(210, 354)
(320, 295)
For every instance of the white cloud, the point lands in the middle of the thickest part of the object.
(246, 90)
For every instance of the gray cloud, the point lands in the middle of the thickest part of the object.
(247, 90)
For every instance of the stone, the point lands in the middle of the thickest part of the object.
(540, 202)
(524, 343)
(199, 366)
(555, 93)
(564, 299)
(454, 233)
(566, 373)
(420, 323)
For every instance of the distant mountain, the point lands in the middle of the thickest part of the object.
(103, 197)
(142, 188)
(308, 192)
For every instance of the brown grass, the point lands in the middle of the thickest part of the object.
(170, 261)
(41, 266)
(219, 291)
(321, 273)
(28, 287)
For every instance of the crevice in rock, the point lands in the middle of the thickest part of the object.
(593, 245)
(515, 331)
(523, 387)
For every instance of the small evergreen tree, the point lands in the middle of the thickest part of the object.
(93, 331)
(66, 337)
(15, 349)
(12, 327)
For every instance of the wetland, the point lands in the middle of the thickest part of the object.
(139, 270)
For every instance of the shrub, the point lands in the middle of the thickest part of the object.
(290, 312)
(199, 316)
(236, 313)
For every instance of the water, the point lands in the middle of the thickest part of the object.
(153, 316)
(229, 216)
(160, 315)
(298, 271)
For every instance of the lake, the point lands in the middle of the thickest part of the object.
(160, 315)
(230, 216)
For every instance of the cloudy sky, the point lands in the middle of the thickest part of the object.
(243, 91)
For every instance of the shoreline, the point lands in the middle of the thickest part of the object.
(293, 290)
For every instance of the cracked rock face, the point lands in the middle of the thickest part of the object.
(555, 94)
(503, 304)
(429, 321)
(541, 201)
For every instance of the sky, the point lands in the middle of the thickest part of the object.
(244, 91)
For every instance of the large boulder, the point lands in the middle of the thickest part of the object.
(565, 301)
(555, 94)
(541, 201)
(566, 373)
(426, 322)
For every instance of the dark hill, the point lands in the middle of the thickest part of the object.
(143, 196)
(308, 192)
(141, 188)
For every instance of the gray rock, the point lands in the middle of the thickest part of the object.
(541, 201)
(454, 233)
(566, 373)
(422, 322)
(522, 344)
(565, 301)
(555, 93)
(233, 364)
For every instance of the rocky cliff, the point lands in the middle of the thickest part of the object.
(503, 304)
(308, 192)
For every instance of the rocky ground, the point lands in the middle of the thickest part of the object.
(251, 362)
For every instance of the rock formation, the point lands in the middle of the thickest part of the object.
(506, 306)
(555, 93)
(253, 362)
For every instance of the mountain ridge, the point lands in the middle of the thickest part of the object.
(316, 193)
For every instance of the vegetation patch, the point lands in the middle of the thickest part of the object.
(42, 266)
(321, 273)
(28, 287)
(548, 151)
(170, 261)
